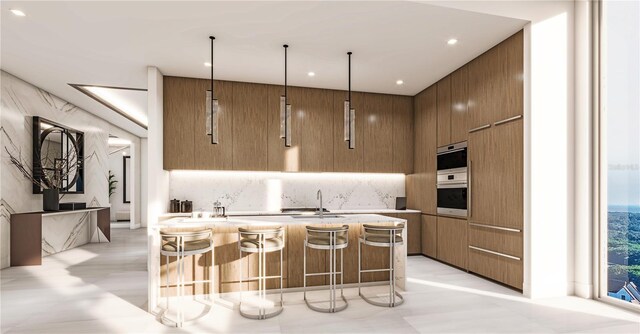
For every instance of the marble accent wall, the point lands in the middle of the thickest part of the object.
(271, 191)
(20, 101)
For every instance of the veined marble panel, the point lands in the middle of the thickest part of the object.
(271, 191)
(20, 101)
(62, 232)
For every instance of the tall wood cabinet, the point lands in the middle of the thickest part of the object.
(429, 235)
(421, 185)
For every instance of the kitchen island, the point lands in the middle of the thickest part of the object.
(227, 264)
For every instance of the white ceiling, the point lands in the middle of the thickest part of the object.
(112, 43)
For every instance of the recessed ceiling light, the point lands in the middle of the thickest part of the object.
(452, 41)
(18, 12)
(311, 74)
(399, 82)
(207, 64)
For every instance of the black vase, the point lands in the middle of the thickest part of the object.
(50, 200)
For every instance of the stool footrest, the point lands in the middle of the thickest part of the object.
(375, 270)
(247, 279)
(324, 274)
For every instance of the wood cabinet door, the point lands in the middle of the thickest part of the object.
(314, 113)
(508, 168)
(181, 103)
(421, 185)
(250, 126)
(459, 99)
(484, 181)
(429, 238)
(452, 241)
(378, 133)
(485, 88)
(345, 159)
(414, 231)
(511, 52)
(402, 134)
(213, 156)
(444, 111)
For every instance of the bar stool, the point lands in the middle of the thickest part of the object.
(381, 236)
(331, 239)
(261, 242)
(180, 245)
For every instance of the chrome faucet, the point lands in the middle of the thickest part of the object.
(319, 196)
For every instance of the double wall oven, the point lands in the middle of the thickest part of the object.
(452, 180)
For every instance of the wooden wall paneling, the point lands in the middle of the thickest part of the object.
(421, 186)
(344, 159)
(180, 103)
(279, 157)
(314, 112)
(403, 134)
(429, 237)
(508, 192)
(444, 111)
(459, 101)
(452, 241)
(378, 133)
(213, 156)
(250, 102)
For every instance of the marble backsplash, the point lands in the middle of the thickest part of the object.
(271, 191)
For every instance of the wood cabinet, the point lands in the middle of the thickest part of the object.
(249, 129)
(345, 159)
(496, 253)
(429, 231)
(414, 231)
(495, 83)
(249, 126)
(459, 101)
(444, 111)
(378, 133)
(402, 134)
(452, 241)
(421, 185)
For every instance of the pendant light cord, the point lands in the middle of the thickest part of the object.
(349, 53)
(285, 74)
(212, 96)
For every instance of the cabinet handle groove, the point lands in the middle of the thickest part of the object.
(469, 193)
(495, 253)
(496, 227)
(507, 120)
(486, 126)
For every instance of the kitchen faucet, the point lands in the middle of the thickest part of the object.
(319, 196)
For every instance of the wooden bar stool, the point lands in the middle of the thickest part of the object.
(261, 242)
(330, 239)
(381, 236)
(180, 245)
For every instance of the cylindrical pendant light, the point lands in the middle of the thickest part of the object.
(285, 107)
(212, 106)
(349, 116)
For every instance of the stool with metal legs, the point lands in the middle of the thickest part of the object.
(381, 236)
(331, 239)
(261, 242)
(180, 245)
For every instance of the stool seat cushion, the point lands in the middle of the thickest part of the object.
(268, 243)
(324, 241)
(382, 238)
(188, 246)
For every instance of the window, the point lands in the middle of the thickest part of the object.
(620, 145)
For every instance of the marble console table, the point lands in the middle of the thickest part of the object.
(35, 235)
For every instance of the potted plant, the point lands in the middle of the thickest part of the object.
(112, 184)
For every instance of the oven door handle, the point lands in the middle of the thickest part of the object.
(452, 185)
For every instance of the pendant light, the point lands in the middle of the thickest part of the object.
(212, 106)
(285, 108)
(349, 116)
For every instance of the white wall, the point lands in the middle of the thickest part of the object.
(157, 180)
(115, 166)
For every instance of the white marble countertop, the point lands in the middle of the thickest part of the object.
(276, 220)
(279, 213)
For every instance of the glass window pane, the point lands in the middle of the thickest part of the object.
(621, 109)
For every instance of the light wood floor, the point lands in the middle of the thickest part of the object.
(102, 288)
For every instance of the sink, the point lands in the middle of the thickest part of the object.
(318, 217)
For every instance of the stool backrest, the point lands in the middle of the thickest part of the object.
(393, 231)
(327, 232)
(188, 236)
(255, 234)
